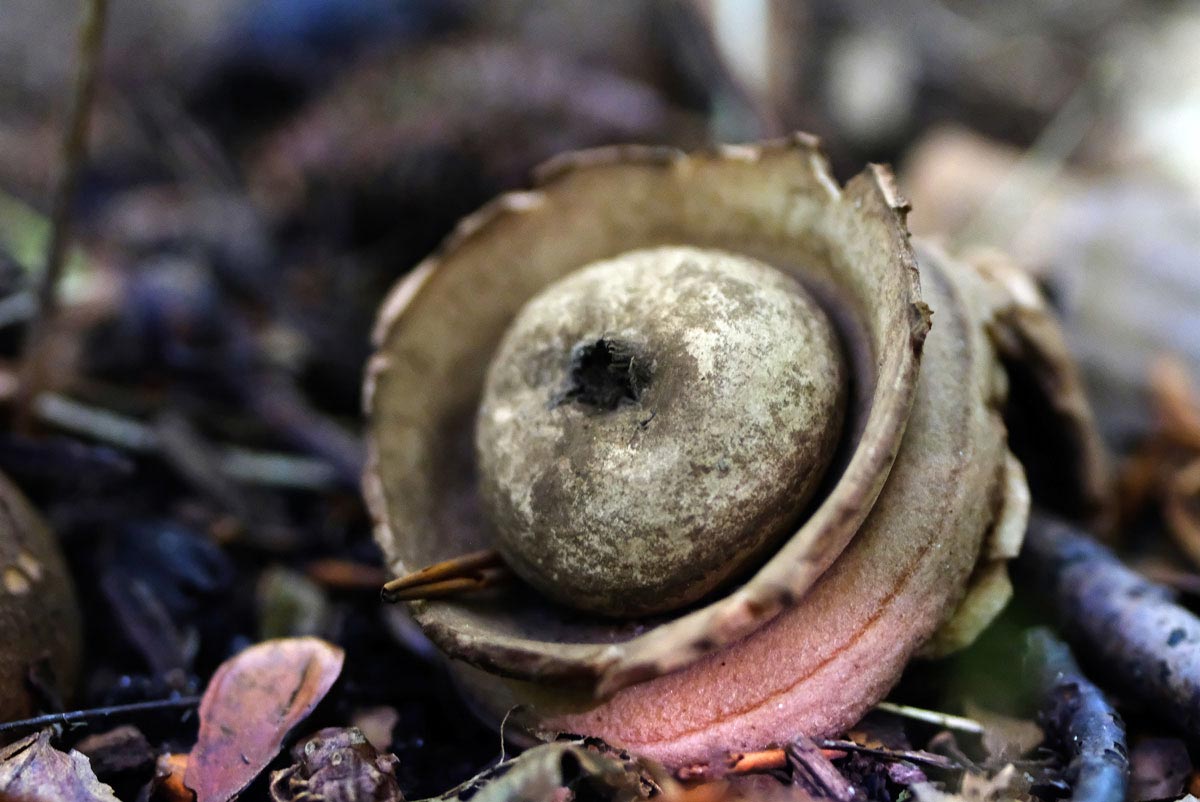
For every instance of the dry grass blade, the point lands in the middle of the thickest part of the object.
(471, 572)
(74, 152)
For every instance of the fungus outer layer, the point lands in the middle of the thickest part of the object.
(902, 546)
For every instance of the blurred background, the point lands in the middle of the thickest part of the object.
(260, 172)
(284, 160)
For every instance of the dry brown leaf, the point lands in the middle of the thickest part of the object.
(31, 770)
(1176, 402)
(250, 704)
(1181, 509)
(167, 784)
(585, 768)
(1166, 467)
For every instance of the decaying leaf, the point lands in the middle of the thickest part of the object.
(252, 702)
(31, 770)
(545, 771)
(337, 764)
(1167, 466)
(1007, 784)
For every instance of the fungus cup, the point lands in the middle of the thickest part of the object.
(698, 405)
(39, 619)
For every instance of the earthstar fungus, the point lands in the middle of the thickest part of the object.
(743, 441)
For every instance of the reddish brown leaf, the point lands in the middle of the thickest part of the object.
(252, 702)
(31, 770)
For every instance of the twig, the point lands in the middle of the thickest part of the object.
(767, 760)
(252, 467)
(342, 574)
(185, 449)
(1077, 717)
(74, 154)
(757, 762)
(279, 403)
(1128, 625)
(921, 758)
(77, 716)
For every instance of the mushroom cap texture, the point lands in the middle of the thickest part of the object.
(652, 423)
(39, 618)
(903, 529)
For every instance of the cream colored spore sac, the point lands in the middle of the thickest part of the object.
(651, 424)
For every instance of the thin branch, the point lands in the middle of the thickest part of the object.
(776, 759)
(92, 714)
(74, 155)
(1129, 627)
(1080, 721)
(920, 757)
(265, 468)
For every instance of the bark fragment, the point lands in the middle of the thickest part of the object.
(814, 772)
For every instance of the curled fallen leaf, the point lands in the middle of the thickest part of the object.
(585, 768)
(31, 770)
(337, 763)
(252, 702)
